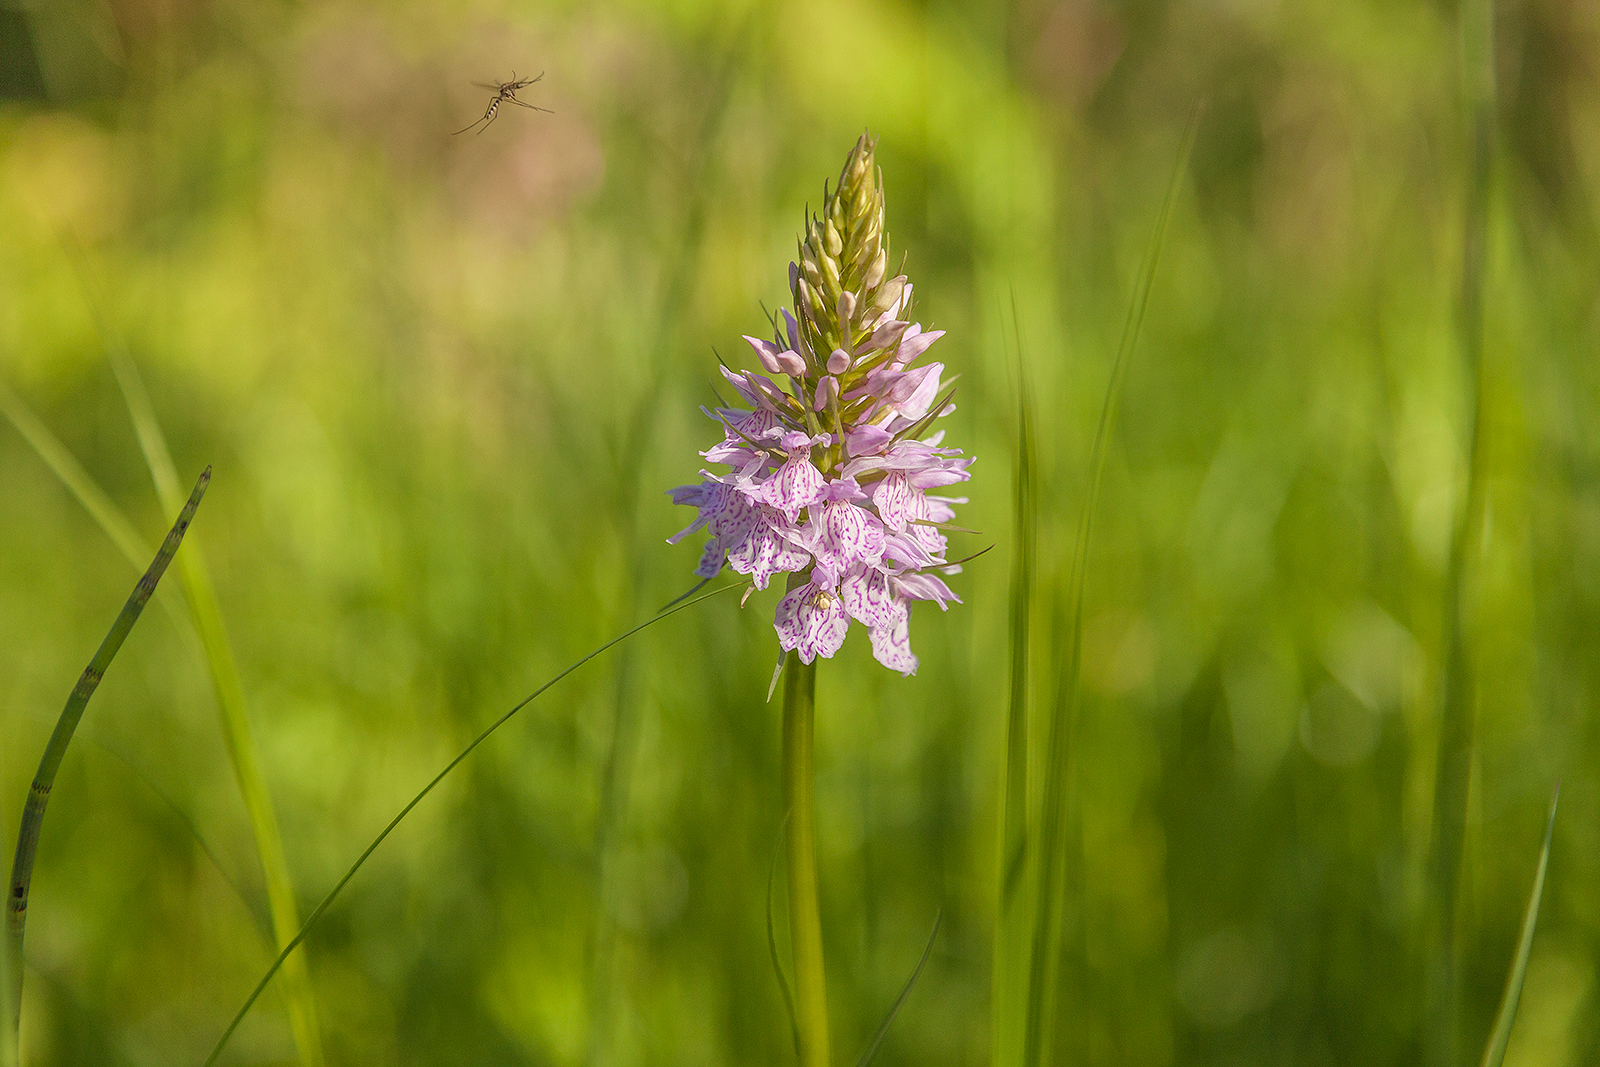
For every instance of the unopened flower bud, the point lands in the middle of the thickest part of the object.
(875, 271)
(827, 390)
(889, 294)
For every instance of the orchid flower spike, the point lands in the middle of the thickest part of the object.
(829, 478)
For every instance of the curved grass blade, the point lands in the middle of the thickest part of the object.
(1453, 759)
(144, 779)
(675, 601)
(9, 1052)
(77, 480)
(1494, 1053)
(894, 1009)
(317, 912)
(237, 738)
(772, 938)
(1009, 934)
(1051, 843)
(114, 523)
(56, 749)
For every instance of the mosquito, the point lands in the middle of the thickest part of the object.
(504, 92)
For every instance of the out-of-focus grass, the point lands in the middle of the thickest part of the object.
(418, 362)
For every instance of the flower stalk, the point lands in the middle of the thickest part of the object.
(805, 913)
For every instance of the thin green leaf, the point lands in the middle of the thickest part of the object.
(317, 912)
(1050, 870)
(9, 1052)
(1009, 936)
(44, 779)
(1495, 1052)
(77, 480)
(967, 559)
(1453, 759)
(772, 938)
(680, 599)
(894, 1009)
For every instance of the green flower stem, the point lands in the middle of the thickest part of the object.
(805, 918)
(56, 750)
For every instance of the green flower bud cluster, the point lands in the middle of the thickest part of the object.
(839, 284)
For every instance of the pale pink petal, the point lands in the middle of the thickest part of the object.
(896, 501)
(914, 344)
(849, 535)
(891, 646)
(811, 622)
(916, 405)
(925, 587)
(795, 485)
(767, 352)
(868, 599)
(711, 559)
(865, 440)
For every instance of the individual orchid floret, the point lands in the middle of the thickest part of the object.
(831, 461)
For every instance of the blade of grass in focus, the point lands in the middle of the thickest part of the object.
(242, 754)
(114, 523)
(56, 749)
(1494, 1053)
(487, 732)
(1049, 843)
(1010, 936)
(1453, 765)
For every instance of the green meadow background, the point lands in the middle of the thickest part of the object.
(444, 381)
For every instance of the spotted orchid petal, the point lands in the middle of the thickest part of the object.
(891, 646)
(811, 622)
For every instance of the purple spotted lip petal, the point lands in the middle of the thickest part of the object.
(812, 622)
(891, 646)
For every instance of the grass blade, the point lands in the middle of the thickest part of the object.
(114, 523)
(240, 743)
(772, 939)
(1051, 841)
(77, 480)
(1453, 761)
(9, 1052)
(487, 732)
(1495, 1052)
(894, 1009)
(1009, 934)
(44, 779)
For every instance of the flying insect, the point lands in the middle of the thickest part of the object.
(504, 92)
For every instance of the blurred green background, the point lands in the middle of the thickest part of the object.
(444, 382)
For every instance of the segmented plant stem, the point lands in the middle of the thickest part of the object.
(805, 916)
(56, 750)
